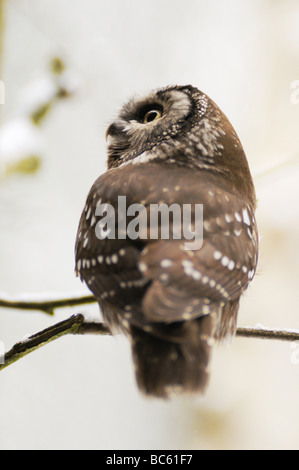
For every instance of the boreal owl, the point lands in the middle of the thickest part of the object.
(173, 148)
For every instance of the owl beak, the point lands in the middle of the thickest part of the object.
(109, 139)
(115, 129)
(112, 130)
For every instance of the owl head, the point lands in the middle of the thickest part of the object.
(182, 126)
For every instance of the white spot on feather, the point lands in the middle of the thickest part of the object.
(246, 218)
(166, 263)
(217, 255)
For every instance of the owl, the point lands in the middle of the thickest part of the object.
(171, 148)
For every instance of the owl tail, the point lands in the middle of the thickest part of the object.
(174, 365)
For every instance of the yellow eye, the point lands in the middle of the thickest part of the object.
(152, 115)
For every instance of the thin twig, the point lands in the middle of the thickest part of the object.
(267, 333)
(47, 306)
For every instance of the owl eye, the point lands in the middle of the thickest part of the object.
(152, 115)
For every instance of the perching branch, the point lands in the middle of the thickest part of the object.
(75, 325)
(49, 306)
(268, 333)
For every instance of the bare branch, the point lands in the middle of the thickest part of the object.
(74, 325)
(77, 325)
(46, 306)
(268, 333)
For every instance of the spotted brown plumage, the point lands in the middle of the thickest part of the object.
(173, 147)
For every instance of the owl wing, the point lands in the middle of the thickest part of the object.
(170, 281)
(109, 266)
(189, 283)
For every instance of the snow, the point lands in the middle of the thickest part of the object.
(19, 138)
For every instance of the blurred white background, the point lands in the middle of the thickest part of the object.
(80, 392)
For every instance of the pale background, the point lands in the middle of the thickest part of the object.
(79, 392)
